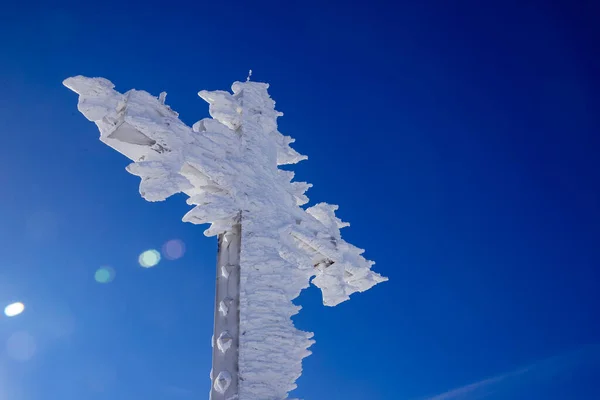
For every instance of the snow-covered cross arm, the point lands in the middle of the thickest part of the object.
(228, 166)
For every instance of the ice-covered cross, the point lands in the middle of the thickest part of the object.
(270, 247)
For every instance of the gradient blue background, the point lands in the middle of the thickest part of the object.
(460, 140)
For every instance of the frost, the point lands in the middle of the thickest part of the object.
(224, 306)
(224, 341)
(225, 165)
(222, 382)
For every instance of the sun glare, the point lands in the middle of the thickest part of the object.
(149, 258)
(14, 309)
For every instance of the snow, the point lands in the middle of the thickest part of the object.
(225, 165)
(223, 381)
(224, 341)
(224, 306)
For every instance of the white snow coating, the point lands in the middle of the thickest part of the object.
(223, 381)
(224, 341)
(224, 306)
(225, 165)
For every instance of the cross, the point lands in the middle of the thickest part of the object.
(269, 246)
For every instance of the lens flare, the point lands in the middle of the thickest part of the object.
(149, 258)
(104, 275)
(14, 309)
(173, 249)
(20, 346)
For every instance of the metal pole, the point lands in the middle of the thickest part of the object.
(226, 334)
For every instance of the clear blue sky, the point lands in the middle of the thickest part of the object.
(461, 142)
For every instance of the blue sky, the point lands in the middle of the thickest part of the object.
(459, 140)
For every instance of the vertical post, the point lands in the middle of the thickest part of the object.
(226, 334)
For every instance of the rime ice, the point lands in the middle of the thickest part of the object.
(227, 164)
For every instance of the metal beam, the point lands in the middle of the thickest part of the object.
(226, 334)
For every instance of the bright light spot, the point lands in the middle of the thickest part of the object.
(20, 346)
(104, 275)
(14, 309)
(149, 258)
(173, 249)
